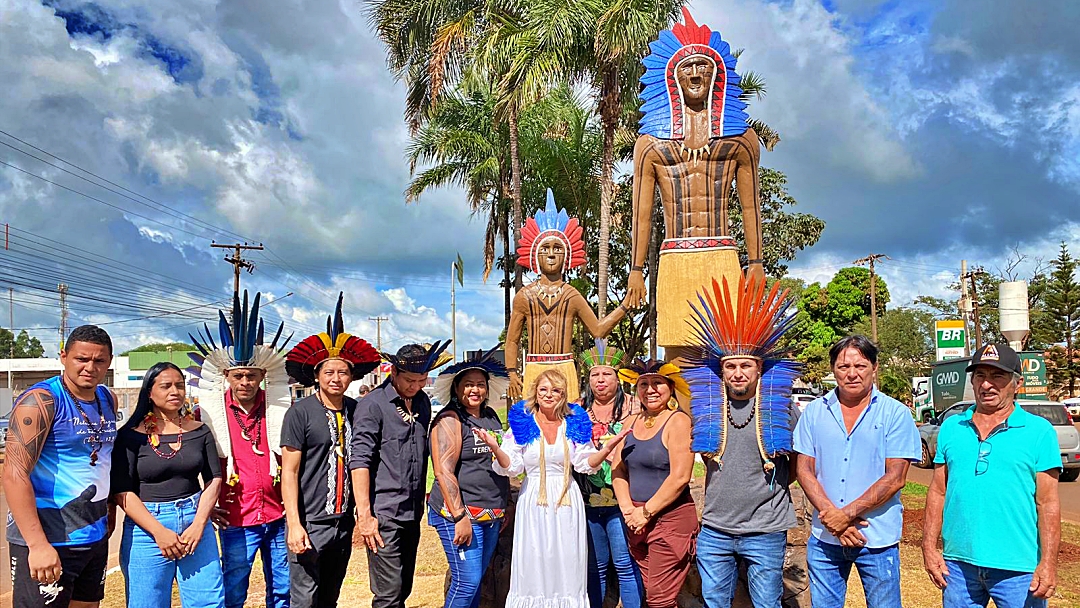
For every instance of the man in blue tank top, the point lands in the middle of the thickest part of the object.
(56, 479)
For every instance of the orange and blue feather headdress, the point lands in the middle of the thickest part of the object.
(334, 343)
(551, 223)
(661, 98)
(748, 325)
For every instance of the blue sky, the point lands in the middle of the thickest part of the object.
(929, 131)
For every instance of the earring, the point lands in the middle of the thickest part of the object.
(672, 403)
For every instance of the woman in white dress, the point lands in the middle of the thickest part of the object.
(548, 440)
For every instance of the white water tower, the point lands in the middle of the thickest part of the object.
(1013, 312)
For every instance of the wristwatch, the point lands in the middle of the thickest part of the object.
(458, 518)
(645, 512)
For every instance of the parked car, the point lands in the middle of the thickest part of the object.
(800, 401)
(1073, 405)
(1052, 411)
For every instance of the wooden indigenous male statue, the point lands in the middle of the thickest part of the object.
(693, 142)
(551, 244)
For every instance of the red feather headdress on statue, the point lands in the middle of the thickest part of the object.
(551, 223)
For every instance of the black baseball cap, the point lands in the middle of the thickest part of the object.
(1000, 356)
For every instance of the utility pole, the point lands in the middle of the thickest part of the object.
(965, 307)
(970, 276)
(378, 341)
(63, 289)
(11, 324)
(457, 273)
(870, 259)
(238, 261)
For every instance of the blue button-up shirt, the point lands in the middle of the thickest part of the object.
(847, 464)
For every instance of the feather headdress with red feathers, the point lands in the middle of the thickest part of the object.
(551, 223)
(309, 353)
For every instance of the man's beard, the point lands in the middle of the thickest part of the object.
(739, 393)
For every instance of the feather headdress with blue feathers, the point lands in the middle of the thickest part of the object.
(432, 358)
(241, 344)
(498, 378)
(752, 329)
(662, 103)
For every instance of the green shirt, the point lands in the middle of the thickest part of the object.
(990, 518)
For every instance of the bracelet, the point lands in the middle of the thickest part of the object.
(755, 261)
(637, 268)
(464, 512)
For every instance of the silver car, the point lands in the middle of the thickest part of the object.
(1054, 412)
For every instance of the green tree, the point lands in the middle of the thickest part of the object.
(160, 347)
(1063, 312)
(20, 346)
(784, 233)
(833, 310)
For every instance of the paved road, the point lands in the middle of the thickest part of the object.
(1069, 491)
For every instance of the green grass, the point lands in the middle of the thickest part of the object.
(914, 489)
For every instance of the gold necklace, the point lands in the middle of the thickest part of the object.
(650, 419)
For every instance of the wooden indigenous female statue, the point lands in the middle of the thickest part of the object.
(551, 243)
(693, 142)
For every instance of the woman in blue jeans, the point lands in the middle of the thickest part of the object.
(609, 410)
(166, 476)
(467, 502)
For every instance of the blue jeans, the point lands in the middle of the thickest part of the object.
(149, 575)
(972, 586)
(468, 563)
(607, 543)
(764, 555)
(830, 565)
(238, 548)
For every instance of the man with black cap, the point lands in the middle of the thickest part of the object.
(994, 497)
(389, 470)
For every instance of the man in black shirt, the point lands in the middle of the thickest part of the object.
(389, 471)
(315, 453)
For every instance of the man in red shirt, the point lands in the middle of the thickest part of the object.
(246, 420)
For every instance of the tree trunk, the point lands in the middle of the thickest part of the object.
(507, 261)
(609, 120)
(515, 185)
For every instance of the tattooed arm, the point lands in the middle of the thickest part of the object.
(31, 421)
(445, 454)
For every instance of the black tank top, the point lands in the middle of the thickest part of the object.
(480, 485)
(647, 463)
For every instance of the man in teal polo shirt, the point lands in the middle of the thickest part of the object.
(994, 497)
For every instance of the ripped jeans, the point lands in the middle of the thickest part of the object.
(830, 565)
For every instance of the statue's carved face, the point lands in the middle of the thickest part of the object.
(551, 255)
(695, 77)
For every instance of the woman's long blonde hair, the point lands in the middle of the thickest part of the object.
(557, 380)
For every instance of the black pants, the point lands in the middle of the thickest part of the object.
(83, 579)
(316, 575)
(390, 571)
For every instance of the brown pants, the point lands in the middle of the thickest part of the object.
(662, 551)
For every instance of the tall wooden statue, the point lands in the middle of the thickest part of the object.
(551, 243)
(693, 142)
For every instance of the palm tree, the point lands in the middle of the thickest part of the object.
(461, 145)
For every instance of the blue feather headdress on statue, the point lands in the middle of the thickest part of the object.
(662, 98)
(746, 325)
(240, 344)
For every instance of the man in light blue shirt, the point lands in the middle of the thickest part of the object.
(855, 445)
(994, 497)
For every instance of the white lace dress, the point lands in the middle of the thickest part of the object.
(550, 560)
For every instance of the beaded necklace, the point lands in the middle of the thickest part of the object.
(255, 427)
(95, 432)
(154, 438)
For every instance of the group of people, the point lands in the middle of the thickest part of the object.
(605, 485)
